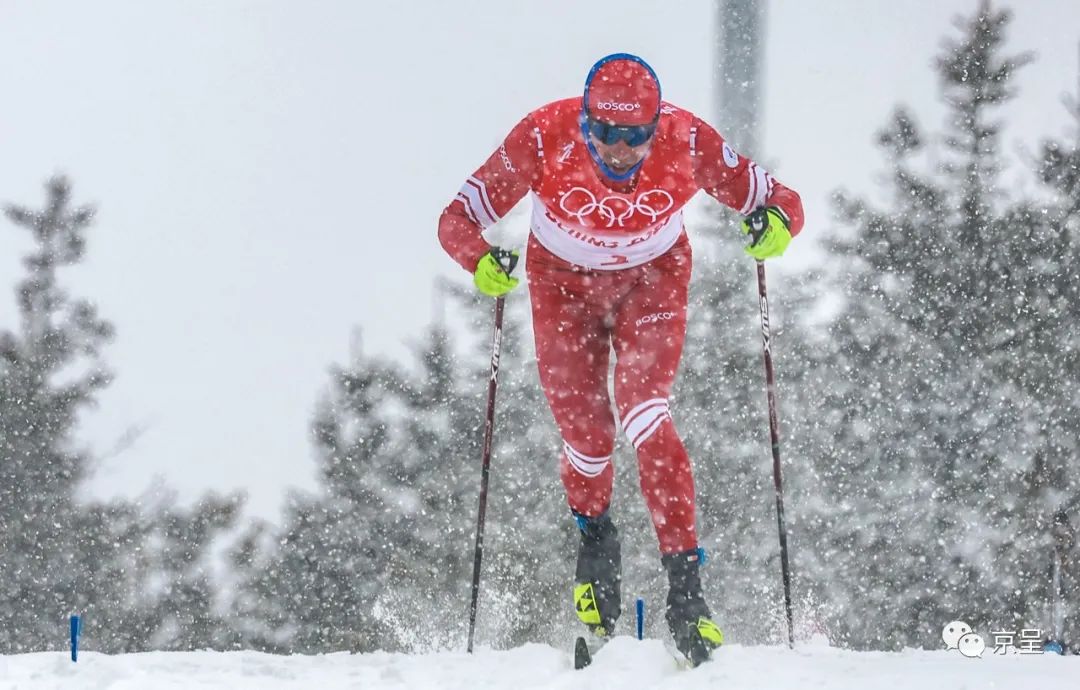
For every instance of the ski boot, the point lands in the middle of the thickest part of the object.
(598, 578)
(687, 614)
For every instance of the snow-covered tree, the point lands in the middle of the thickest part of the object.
(939, 456)
(50, 369)
(382, 557)
(313, 586)
(140, 578)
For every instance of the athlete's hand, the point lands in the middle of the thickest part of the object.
(492, 274)
(769, 233)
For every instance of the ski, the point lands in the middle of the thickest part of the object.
(582, 656)
(678, 657)
(585, 648)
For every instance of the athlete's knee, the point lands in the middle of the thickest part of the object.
(645, 419)
(586, 461)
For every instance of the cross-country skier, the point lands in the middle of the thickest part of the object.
(608, 265)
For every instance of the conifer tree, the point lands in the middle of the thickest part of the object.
(50, 369)
(943, 375)
(141, 578)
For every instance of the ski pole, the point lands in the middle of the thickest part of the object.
(508, 261)
(757, 223)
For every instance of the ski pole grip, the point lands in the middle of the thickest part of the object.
(506, 257)
(758, 222)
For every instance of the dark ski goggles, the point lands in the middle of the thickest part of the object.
(633, 135)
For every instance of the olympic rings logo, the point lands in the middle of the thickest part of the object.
(580, 202)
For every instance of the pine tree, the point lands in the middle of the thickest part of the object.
(1059, 172)
(942, 471)
(186, 613)
(49, 370)
(140, 579)
(312, 586)
(382, 557)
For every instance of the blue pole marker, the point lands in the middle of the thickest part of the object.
(76, 629)
(640, 618)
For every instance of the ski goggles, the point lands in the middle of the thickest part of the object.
(633, 135)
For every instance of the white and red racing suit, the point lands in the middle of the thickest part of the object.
(609, 268)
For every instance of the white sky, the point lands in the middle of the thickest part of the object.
(269, 174)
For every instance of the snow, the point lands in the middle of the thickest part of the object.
(623, 663)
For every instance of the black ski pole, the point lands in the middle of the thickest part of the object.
(507, 260)
(757, 227)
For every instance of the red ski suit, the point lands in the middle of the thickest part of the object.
(609, 268)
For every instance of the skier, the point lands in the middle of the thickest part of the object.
(608, 264)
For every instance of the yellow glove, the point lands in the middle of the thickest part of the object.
(768, 228)
(492, 274)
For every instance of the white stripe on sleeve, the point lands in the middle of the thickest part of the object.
(468, 209)
(476, 198)
(760, 185)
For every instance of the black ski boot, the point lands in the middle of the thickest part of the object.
(598, 578)
(688, 615)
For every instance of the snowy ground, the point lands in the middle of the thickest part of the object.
(624, 663)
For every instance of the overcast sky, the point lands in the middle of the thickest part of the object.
(269, 174)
